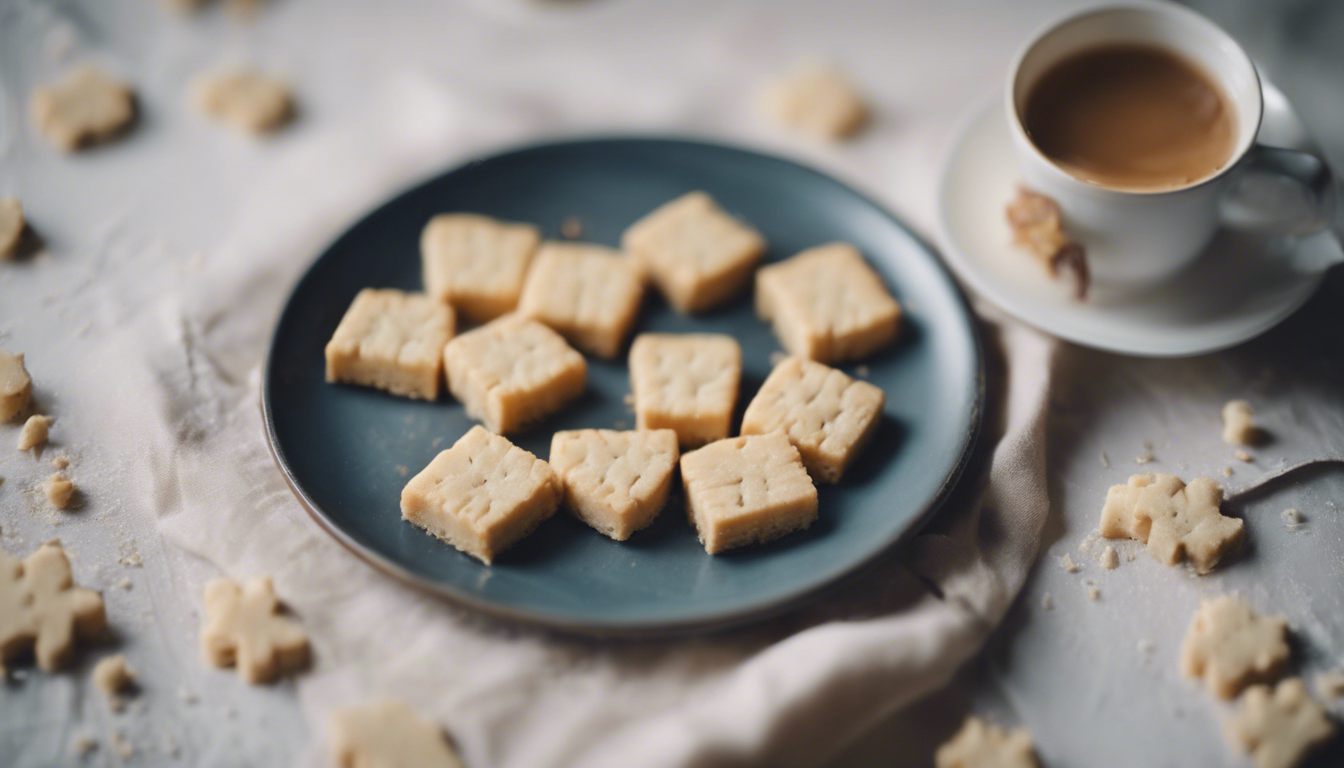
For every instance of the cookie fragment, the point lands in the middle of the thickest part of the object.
(86, 107)
(590, 294)
(1279, 728)
(476, 263)
(816, 99)
(60, 492)
(244, 628)
(1038, 228)
(980, 744)
(114, 678)
(616, 482)
(245, 100)
(16, 387)
(1175, 520)
(12, 226)
(387, 733)
(43, 611)
(35, 432)
(687, 383)
(1230, 647)
(1239, 427)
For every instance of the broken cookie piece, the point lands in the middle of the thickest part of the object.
(827, 304)
(513, 372)
(16, 387)
(60, 492)
(482, 495)
(476, 263)
(12, 227)
(42, 611)
(589, 293)
(1038, 228)
(393, 341)
(387, 733)
(816, 99)
(985, 745)
(686, 383)
(114, 679)
(35, 432)
(86, 107)
(244, 627)
(1173, 519)
(828, 416)
(1239, 426)
(698, 255)
(243, 99)
(1230, 647)
(747, 490)
(617, 482)
(1279, 728)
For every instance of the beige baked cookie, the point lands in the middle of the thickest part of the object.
(815, 99)
(698, 255)
(245, 100)
(476, 263)
(589, 293)
(393, 341)
(16, 387)
(482, 495)
(114, 679)
(747, 490)
(1239, 426)
(687, 383)
(513, 372)
(985, 745)
(386, 733)
(617, 482)
(42, 611)
(1230, 647)
(245, 628)
(12, 226)
(86, 107)
(35, 432)
(828, 416)
(58, 489)
(1173, 519)
(827, 304)
(1280, 728)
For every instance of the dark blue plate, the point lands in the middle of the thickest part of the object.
(347, 451)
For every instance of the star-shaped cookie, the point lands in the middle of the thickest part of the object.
(1173, 518)
(243, 627)
(42, 610)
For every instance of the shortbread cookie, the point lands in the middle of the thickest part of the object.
(60, 492)
(828, 416)
(513, 372)
(35, 432)
(985, 745)
(747, 490)
(393, 341)
(827, 304)
(86, 107)
(589, 293)
(482, 495)
(1173, 518)
(244, 628)
(386, 733)
(816, 99)
(617, 482)
(687, 383)
(42, 611)
(698, 255)
(113, 678)
(1280, 728)
(1230, 647)
(243, 99)
(1239, 426)
(16, 387)
(12, 226)
(476, 263)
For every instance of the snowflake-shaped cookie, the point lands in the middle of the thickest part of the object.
(389, 734)
(243, 627)
(1230, 647)
(1173, 518)
(42, 610)
(1281, 727)
(984, 745)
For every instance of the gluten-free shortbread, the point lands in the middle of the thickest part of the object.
(697, 254)
(747, 490)
(482, 495)
(617, 482)
(589, 293)
(513, 372)
(687, 383)
(827, 304)
(393, 341)
(476, 263)
(828, 416)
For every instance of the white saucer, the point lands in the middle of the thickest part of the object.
(1243, 285)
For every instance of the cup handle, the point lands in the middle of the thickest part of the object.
(1282, 191)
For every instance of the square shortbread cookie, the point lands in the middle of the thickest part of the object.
(393, 341)
(476, 263)
(698, 255)
(827, 304)
(617, 482)
(747, 490)
(828, 416)
(513, 372)
(589, 293)
(482, 495)
(816, 99)
(687, 383)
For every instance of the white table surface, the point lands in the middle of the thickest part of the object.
(122, 225)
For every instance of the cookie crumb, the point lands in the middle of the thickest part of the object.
(1144, 458)
(1226, 471)
(436, 442)
(1066, 562)
(125, 584)
(1109, 559)
(1089, 541)
(403, 470)
(60, 462)
(571, 228)
(1093, 594)
(35, 432)
(114, 679)
(1239, 426)
(1292, 519)
(59, 490)
(1242, 455)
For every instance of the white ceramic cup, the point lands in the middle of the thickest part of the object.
(1135, 237)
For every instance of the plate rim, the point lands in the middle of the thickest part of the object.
(639, 629)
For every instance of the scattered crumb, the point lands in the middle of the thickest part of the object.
(60, 462)
(1242, 455)
(1066, 562)
(1144, 458)
(124, 748)
(1109, 559)
(125, 584)
(862, 371)
(129, 556)
(403, 470)
(1330, 685)
(1047, 602)
(1105, 460)
(1239, 423)
(82, 745)
(1093, 594)
(1130, 555)
(436, 442)
(1089, 540)
(35, 432)
(59, 490)
(1292, 519)
(571, 228)
(1227, 471)
(114, 679)
(777, 357)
